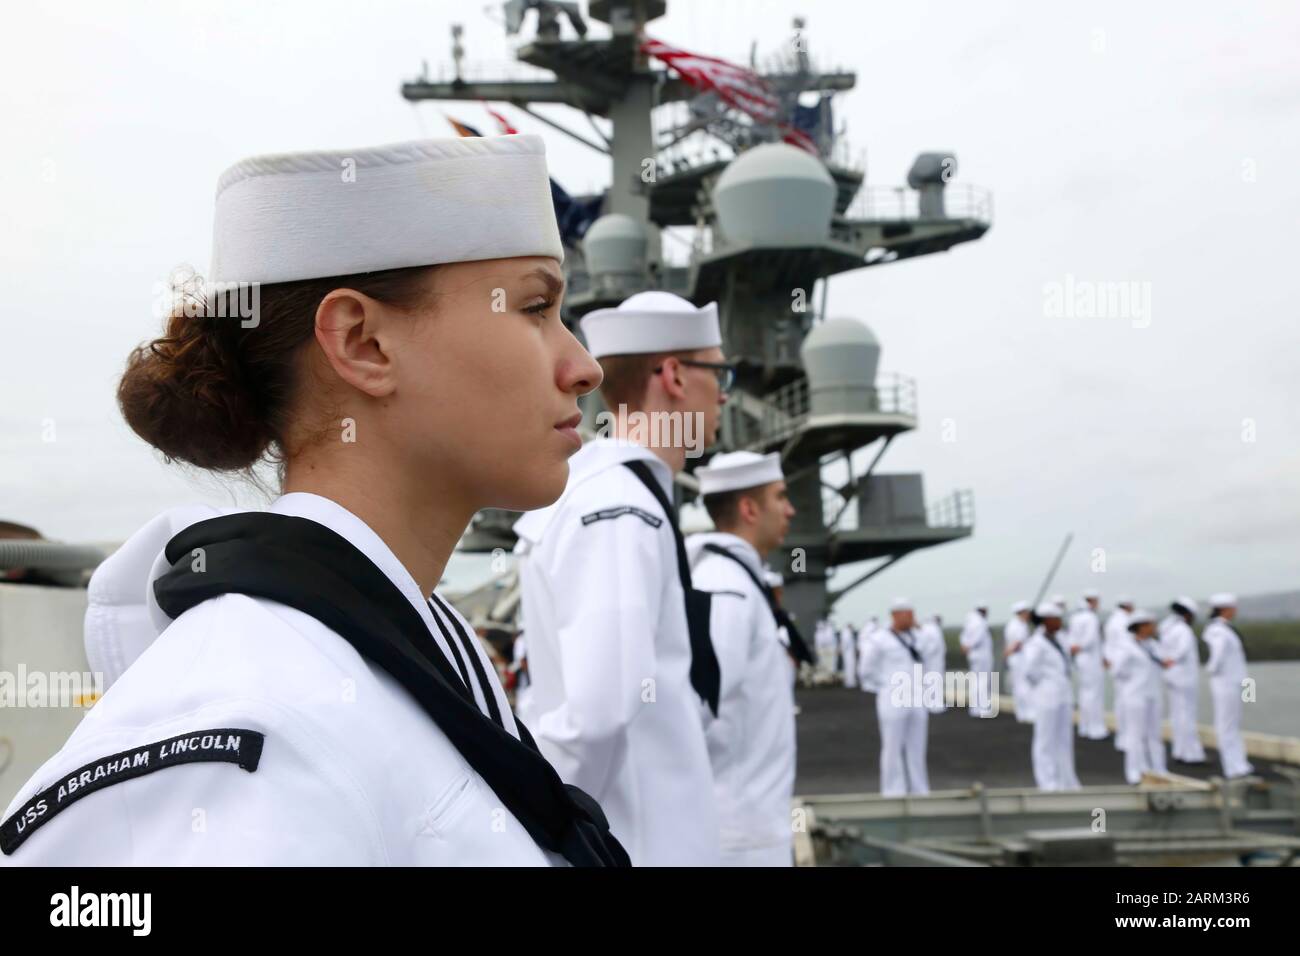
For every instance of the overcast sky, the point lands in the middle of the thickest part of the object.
(1151, 143)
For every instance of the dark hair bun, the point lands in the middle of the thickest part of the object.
(185, 393)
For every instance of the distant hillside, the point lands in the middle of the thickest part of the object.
(1279, 606)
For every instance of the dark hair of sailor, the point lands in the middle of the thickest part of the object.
(218, 391)
(723, 508)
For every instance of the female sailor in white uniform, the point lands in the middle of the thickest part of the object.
(1047, 668)
(1227, 670)
(286, 687)
(1178, 644)
(1014, 635)
(1138, 670)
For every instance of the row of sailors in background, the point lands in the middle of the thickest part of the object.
(1056, 660)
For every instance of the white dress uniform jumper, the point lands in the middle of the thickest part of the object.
(1014, 634)
(977, 642)
(934, 657)
(1138, 674)
(1227, 670)
(1085, 632)
(613, 703)
(1178, 643)
(1114, 637)
(1047, 671)
(752, 743)
(891, 665)
(367, 730)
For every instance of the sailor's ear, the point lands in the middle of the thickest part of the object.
(351, 330)
(670, 377)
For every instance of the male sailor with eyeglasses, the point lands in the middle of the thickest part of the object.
(624, 676)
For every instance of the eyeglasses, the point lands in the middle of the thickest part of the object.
(723, 371)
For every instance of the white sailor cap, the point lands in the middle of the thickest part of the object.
(1048, 609)
(291, 216)
(900, 604)
(772, 579)
(1019, 606)
(1186, 603)
(1124, 599)
(981, 605)
(651, 322)
(1140, 617)
(737, 470)
(1223, 599)
(1092, 594)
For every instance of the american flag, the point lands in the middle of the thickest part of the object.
(737, 86)
(744, 89)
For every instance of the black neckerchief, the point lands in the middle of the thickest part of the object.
(1051, 639)
(910, 645)
(304, 565)
(706, 676)
(798, 646)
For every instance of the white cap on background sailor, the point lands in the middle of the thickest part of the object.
(1223, 599)
(651, 322)
(752, 742)
(1139, 617)
(738, 471)
(1019, 606)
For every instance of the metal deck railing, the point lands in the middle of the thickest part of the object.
(960, 201)
(761, 422)
(957, 510)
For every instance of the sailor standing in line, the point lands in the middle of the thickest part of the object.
(1115, 639)
(1085, 645)
(934, 655)
(849, 654)
(1138, 669)
(1014, 635)
(618, 648)
(1227, 670)
(977, 642)
(1047, 669)
(286, 687)
(895, 668)
(1178, 644)
(827, 647)
(752, 743)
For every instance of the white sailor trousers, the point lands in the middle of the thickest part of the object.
(1052, 750)
(1182, 714)
(903, 733)
(1092, 700)
(1144, 750)
(981, 664)
(1227, 726)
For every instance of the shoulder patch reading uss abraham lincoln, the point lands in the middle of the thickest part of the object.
(224, 745)
(653, 521)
